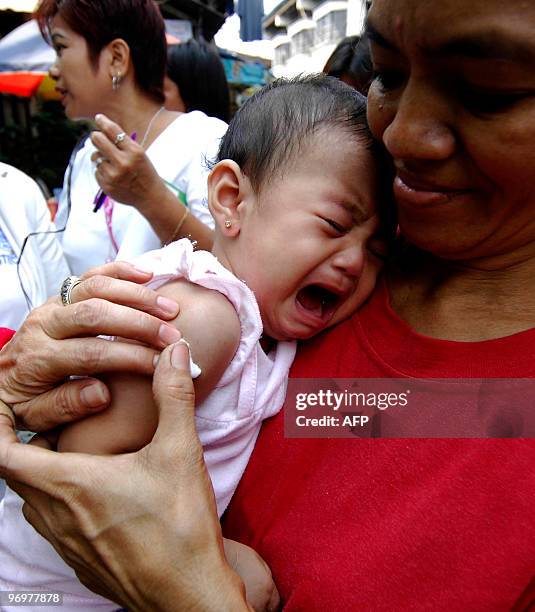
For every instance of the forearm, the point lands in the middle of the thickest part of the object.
(164, 211)
(197, 230)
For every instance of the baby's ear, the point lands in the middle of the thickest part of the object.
(228, 187)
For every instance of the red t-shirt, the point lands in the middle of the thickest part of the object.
(5, 335)
(412, 524)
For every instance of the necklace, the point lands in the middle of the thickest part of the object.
(147, 131)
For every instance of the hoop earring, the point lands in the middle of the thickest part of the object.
(116, 81)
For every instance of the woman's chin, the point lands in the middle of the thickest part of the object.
(75, 114)
(444, 241)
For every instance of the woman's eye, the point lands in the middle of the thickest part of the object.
(388, 79)
(484, 101)
(58, 49)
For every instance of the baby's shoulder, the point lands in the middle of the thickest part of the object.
(202, 301)
(210, 323)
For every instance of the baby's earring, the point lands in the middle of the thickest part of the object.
(228, 223)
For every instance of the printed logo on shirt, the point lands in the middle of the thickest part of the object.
(7, 255)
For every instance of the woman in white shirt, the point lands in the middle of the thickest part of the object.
(32, 265)
(110, 66)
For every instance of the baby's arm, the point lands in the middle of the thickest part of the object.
(209, 322)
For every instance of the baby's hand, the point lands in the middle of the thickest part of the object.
(260, 589)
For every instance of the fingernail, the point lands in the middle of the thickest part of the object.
(167, 305)
(169, 334)
(93, 396)
(98, 117)
(155, 359)
(180, 355)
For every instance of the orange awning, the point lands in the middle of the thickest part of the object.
(20, 83)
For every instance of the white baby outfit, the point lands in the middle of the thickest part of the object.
(252, 389)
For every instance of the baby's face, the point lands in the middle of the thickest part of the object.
(308, 247)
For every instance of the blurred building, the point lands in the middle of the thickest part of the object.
(206, 16)
(304, 33)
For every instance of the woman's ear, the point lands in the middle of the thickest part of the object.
(228, 188)
(118, 58)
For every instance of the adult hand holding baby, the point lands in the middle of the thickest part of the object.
(29, 377)
(175, 513)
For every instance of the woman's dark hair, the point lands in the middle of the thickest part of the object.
(351, 63)
(199, 74)
(138, 22)
(271, 126)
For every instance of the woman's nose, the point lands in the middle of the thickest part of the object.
(53, 71)
(421, 125)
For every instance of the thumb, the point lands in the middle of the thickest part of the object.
(174, 395)
(176, 450)
(71, 401)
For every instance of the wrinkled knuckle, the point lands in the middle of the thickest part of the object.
(144, 297)
(65, 407)
(186, 393)
(181, 392)
(143, 320)
(94, 356)
(88, 312)
(26, 362)
(96, 285)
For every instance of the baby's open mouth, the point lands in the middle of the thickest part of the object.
(317, 300)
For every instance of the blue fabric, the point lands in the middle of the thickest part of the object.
(251, 13)
(245, 73)
(7, 255)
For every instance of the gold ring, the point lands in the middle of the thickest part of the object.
(66, 289)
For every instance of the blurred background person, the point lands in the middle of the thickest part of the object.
(351, 63)
(111, 58)
(32, 266)
(196, 80)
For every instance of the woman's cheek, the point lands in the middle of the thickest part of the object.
(377, 112)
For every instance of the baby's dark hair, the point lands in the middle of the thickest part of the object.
(273, 124)
(267, 131)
